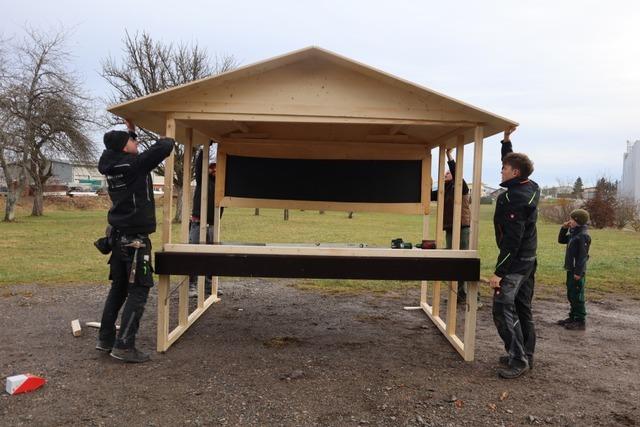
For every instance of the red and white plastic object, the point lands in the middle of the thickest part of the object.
(24, 383)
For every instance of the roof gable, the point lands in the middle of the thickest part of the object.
(311, 85)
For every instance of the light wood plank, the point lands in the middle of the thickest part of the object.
(400, 208)
(320, 251)
(186, 186)
(163, 313)
(167, 206)
(347, 150)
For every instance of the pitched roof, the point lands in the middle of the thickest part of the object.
(315, 94)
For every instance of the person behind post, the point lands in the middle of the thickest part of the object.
(194, 224)
(574, 234)
(132, 218)
(449, 187)
(514, 276)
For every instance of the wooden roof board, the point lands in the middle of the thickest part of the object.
(312, 85)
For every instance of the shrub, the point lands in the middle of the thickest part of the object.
(559, 211)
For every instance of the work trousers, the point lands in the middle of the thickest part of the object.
(132, 295)
(575, 295)
(512, 311)
(194, 237)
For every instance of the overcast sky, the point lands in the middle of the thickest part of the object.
(567, 71)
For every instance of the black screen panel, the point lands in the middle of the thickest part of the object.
(357, 181)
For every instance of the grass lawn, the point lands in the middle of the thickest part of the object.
(58, 247)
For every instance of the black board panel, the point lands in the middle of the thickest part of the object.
(357, 181)
(319, 267)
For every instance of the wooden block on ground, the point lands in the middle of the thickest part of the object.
(75, 328)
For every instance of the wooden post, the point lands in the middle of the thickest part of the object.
(183, 293)
(472, 287)
(452, 304)
(168, 186)
(164, 279)
(426, 201)
(204, 200)
(221, 174)
(186, 186)
(439, 226)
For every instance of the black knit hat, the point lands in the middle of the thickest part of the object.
(580, 216)
(116, 140)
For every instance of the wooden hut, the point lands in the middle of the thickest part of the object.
(315, 130)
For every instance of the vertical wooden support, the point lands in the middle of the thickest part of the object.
(163, 282)
(186, 186)
(426, 201)
(472, 287)
(439, 225)
(168, 186)
(221, 170)
(455, 240)
(183, 293)
(204, 202)
(162, 343)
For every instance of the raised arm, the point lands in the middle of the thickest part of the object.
(452, 168)
(563, 236)
(198, 167)
(506, 142)
(155, 154)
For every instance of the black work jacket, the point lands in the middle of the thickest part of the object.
(131, 188)
(211, 189)
(578, 243)
(515, 219)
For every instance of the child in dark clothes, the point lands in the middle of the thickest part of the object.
(574, 234)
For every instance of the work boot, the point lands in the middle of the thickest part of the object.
(512, 372)
(105, 346)
(504, 361)
(564, 321)
(576, 325)
(130, 355)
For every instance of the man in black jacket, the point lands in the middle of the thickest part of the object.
(194, 224)
(132, 217)
(514, 277)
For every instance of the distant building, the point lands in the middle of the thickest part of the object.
(630, 185)
(73, 174)
(588, 193)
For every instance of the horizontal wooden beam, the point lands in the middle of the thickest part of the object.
(400, 208)
(345, 150)
(312, 250)
(294, 118)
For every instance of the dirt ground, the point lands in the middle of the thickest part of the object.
(270, 354)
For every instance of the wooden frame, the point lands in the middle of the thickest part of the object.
(314, 104)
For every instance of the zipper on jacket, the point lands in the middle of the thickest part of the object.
(147, 179)
(134, 202)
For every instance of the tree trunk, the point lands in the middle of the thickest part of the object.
(350, 215)
(177, 219)
(256, 212)
(38, 201)
(286, 214)
(11, 201)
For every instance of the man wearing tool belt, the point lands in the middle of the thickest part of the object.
(514, 277)
(132, 218)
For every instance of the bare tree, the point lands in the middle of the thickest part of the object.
(149, 66)
(47, 106)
